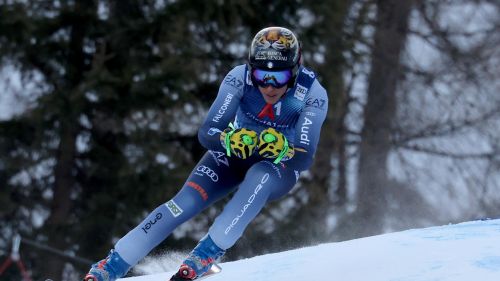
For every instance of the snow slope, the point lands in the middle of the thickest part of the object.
(463, 252)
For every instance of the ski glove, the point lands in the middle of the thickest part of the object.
(273, 144)
(241, 142)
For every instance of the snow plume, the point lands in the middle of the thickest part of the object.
(167, 261)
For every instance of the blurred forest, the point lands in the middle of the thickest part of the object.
(107, 96)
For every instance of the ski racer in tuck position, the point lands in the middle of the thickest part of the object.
(261, 131)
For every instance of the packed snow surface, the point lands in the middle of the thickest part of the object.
(462, 252)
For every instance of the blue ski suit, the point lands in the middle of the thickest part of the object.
(299, 115)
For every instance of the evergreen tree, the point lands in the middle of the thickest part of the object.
(123, 90)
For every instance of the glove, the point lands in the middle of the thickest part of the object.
(273, 144)
(241, 142)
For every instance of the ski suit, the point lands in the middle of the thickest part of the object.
(299, 115)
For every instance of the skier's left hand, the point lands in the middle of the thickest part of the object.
(273, 144)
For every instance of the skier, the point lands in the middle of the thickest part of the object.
(261, 132)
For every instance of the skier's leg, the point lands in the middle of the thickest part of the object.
(209, 181)
(264, 181)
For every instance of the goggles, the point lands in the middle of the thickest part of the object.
(277, 79)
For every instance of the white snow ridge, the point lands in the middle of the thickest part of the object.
(463, 252)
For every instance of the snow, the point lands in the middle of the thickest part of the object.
(462, 252)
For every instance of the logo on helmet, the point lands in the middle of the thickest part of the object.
(274, 48)
(273, 45)
(270, 55)
(276, 39)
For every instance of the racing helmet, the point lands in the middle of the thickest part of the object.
(275, 49)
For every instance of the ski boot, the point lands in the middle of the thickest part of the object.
(200, 261)
(108, 269)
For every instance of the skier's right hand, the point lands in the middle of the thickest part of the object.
(241, 142)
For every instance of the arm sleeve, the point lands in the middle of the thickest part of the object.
(223, 109)
(307, 130)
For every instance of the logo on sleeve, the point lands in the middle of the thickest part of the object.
(212, 131)
(223, 108)
(233, 81)
(318, 103)
(300, 92)
(304, 132)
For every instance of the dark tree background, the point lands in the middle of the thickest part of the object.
(111, 94)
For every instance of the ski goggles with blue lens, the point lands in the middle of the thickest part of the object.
(277, 79)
